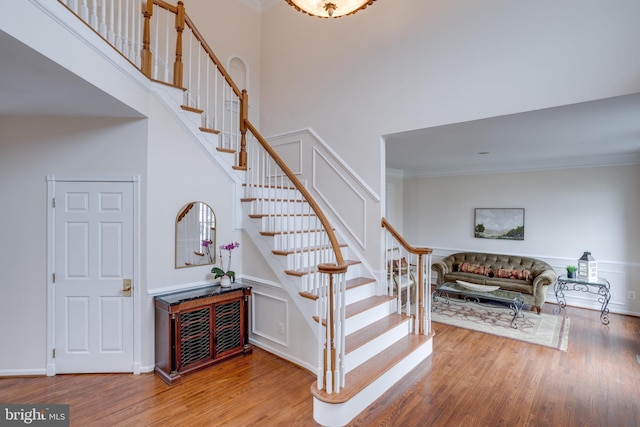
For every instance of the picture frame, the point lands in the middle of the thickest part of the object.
(499, 223)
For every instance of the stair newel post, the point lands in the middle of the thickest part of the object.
(244, 116)
(331, 334)
(420, 288)
(334, 355)
(177, 65)
(147, 12)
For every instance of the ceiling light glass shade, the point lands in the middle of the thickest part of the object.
(330, 8)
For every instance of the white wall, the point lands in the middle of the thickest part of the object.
(232, 29)
(566, 213)
(30, 149)
(409, 64)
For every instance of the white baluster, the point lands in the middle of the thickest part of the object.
(198, 88)
(84, 11)
(125, 33)
(110, 32)
(134, 53)
(119, 27)
(94, 15)
(73, 5)
(103, 19)
(166, 29)
(155, 56)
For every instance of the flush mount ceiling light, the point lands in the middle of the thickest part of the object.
(329, 8)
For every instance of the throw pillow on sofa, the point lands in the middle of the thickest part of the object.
(513, 274)
(467, 267)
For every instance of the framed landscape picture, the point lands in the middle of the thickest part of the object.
(499, 223)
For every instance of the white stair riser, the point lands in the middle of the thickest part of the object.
(375, 346)
(272, 193)
(360, 292)
(265, 206)
(371, 315)
(311, 258)
(290, 223)
(291, 241)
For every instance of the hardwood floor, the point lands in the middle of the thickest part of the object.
(472, 379)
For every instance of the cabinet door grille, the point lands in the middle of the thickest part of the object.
(194, 336)
(228, 333)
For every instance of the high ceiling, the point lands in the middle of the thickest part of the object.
(592, 133)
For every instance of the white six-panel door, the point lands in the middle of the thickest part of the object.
(93, 260)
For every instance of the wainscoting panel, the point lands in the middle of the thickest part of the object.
(291, 153)
(269, 316)
(336, 191)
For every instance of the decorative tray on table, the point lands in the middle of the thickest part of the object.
(476, 287)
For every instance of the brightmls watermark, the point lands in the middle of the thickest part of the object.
(36, 415)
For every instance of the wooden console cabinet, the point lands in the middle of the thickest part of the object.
(195, 329)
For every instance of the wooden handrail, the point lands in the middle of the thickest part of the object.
(420, 252)
(305, 194)
(213, 57)
(402, 241)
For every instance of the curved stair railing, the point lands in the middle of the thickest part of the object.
(162, 41)
(409, 278)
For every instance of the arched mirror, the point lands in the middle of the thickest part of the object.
(195, 235)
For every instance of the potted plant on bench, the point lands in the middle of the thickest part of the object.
(571, 271)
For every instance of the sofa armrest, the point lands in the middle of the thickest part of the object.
(545, 278)
(441, 268)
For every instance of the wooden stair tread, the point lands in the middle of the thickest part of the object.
(361, 306)
(267, 199)
(272, 215)
(209, 130)
(365, 304)
(351, 283)
(307, 249)
(276, 233)
(226, 150)
(372, 369)
(269, 186)
(192, 109)
(308, 295)
(362, 336)
(304, 272)
(359, 281)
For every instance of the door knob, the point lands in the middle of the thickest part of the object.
(126, 287)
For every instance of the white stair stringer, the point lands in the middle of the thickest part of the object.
(171, 99)
(278, 265)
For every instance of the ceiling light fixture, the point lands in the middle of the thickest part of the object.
(329, 8)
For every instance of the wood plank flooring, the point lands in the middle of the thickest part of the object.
(472, 379)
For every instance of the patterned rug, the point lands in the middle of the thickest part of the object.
(544, 329)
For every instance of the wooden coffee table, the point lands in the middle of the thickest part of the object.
(513, 300)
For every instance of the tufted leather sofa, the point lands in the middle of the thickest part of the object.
(530, 276)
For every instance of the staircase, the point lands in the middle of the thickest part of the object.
(367, 338)
(380, 346)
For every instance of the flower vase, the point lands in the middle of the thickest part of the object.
(225, 281)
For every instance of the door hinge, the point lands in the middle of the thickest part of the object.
(53, 352)
(54, 277)
(53, 202)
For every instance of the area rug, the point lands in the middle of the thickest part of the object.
(543, 329)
